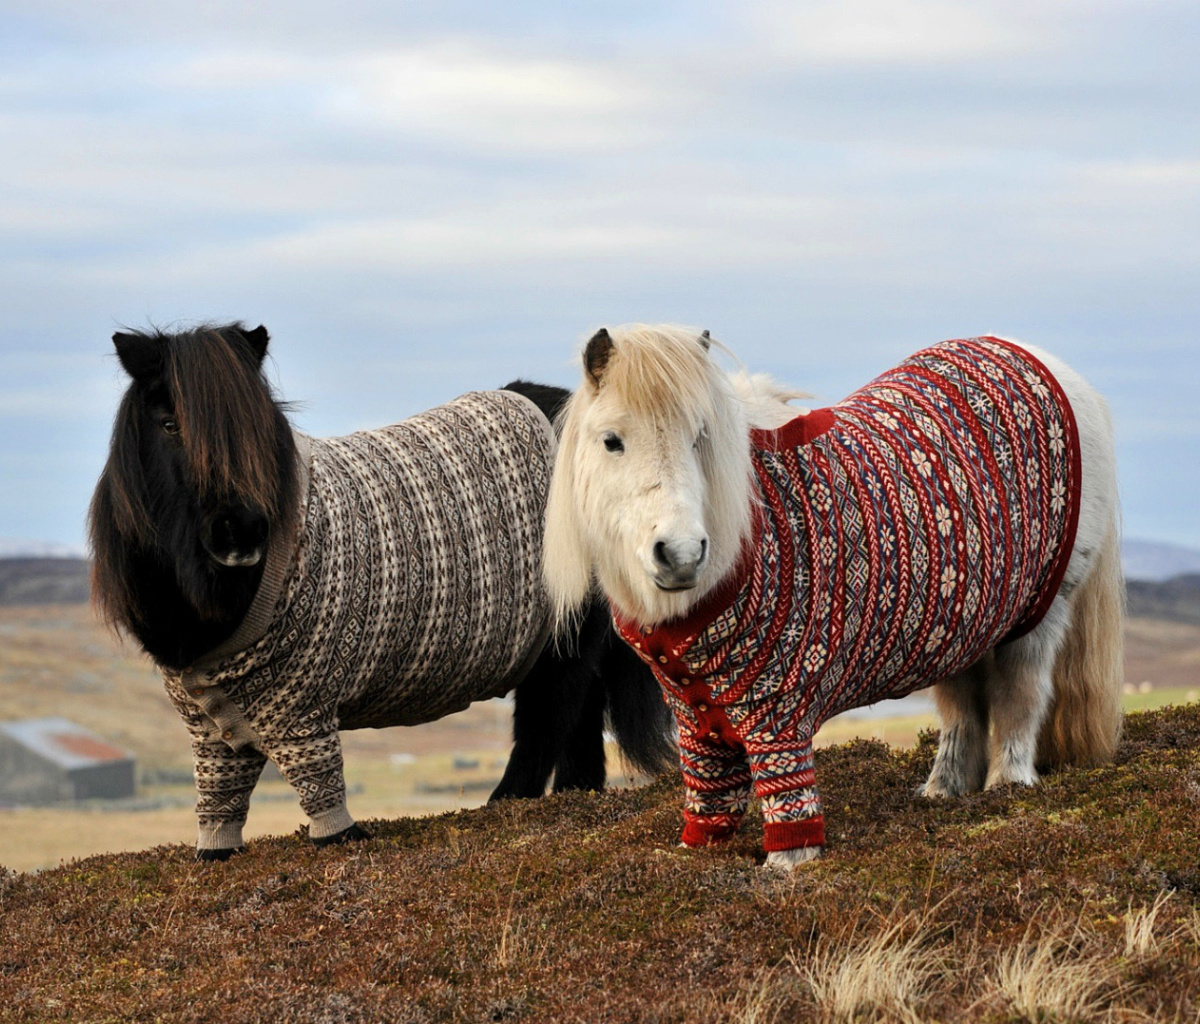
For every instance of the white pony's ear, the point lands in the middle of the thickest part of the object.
(596, 355)
(566, 564)
(706, 339)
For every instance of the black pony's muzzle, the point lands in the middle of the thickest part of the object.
(234, 536)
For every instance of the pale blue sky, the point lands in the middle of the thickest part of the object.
(422, 198)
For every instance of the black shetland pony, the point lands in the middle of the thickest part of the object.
(202, 480)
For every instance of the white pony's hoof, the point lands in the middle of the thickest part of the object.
(789, 860)
(941, 790)
(1011, 776)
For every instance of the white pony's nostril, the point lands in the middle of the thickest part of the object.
(679, 558)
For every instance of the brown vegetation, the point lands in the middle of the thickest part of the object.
(1075, 901)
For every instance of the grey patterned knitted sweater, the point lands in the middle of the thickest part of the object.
(412, 588)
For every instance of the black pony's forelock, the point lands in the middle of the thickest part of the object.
(228, 416)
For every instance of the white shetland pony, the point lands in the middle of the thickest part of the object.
(770, 586)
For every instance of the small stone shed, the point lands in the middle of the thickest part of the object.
(52, 760)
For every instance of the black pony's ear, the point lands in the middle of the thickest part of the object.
(596, 355)
(257, 340)
(706, 340)
(141, 355)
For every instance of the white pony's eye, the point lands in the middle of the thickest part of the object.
(700, 437)
(613, 443)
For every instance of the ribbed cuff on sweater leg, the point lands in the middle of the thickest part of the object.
(225, 835)
(705, 831)
(329, 823)
(791, 835)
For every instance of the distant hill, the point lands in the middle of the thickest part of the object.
(43, 581)
(1149, 560)
(1177, 599)
(28, 581)
(11, 547)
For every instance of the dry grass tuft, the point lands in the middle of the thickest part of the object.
(1141, 941)
(885, 977)
(1050, 980)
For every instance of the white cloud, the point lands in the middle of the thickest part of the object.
(493, 101)
(1141, 173)
(457, 90)
(492, 239)
(891, 31)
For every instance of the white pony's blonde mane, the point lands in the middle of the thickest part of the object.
(664, 375)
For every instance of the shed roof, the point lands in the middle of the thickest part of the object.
(63, 742)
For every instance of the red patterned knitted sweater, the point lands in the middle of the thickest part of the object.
(905, 532)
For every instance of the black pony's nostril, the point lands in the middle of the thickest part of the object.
(234, 531)
(223, 531)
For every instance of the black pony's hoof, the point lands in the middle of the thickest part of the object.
(503, 792)
(219, 854)
(346, 835)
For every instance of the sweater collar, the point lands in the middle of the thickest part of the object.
(670, 639)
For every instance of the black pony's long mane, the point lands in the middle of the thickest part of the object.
(236, 445)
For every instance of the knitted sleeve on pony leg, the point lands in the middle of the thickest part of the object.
(786, 785)
(717, 782)
(225, 778)
(313, 768)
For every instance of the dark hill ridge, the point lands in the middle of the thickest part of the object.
(43, 581)
(1176, 599)
(581, 908)
(29, 581)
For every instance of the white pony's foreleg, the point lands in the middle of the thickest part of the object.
(786, 860)
(1019, 693)
(962, 756)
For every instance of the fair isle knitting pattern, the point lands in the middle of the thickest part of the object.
(905, 532)
(413, 589)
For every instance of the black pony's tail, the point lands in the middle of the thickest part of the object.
(637, 715)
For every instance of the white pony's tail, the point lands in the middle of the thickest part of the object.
(1084, 724)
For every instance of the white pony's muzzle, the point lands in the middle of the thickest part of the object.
(677, 562)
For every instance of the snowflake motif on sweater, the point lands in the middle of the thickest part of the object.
(413, 587)
(905, 532)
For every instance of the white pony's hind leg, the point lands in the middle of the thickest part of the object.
(1083, 725)
(1064, 677)
(1019, 693)
(961, 762)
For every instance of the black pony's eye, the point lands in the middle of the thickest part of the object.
(613, 443)
(170, 427)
